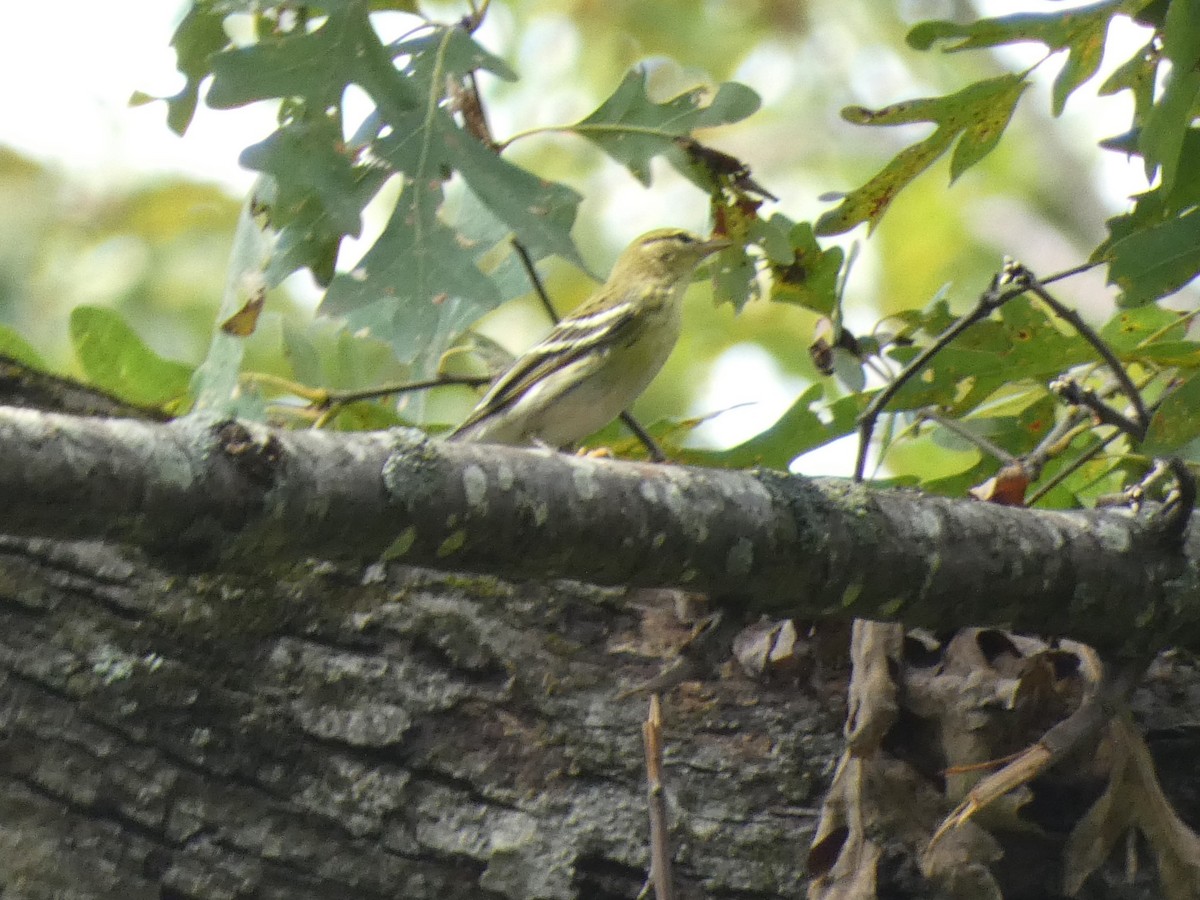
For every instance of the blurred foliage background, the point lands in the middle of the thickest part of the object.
(156, 249)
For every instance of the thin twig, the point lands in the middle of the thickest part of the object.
(1071, 468)
(1077, 395)
(342, 398)
(1059, 438)
(655, 452)
(535, 280)
(660, 840)
(1075, 270)
(315, 396)
(1088, 455)
(324, 398)
(1022, 275)
(1092, 452)
(990, 300)
(951, 425)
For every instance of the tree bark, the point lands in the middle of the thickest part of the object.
(758, 541)
(229, 696)
(397, 734)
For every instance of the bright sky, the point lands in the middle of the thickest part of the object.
(69, 69)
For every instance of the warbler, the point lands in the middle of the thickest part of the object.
(597, 360)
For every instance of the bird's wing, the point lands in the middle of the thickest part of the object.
(569, 340)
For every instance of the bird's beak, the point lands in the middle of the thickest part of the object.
(713, 245)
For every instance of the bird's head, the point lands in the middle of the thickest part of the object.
(666, 254)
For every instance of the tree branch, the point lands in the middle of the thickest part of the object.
(758, 541)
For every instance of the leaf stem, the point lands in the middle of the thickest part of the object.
(584, 129)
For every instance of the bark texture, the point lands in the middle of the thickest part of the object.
(209, 688)
(395, 734)
(760, 541)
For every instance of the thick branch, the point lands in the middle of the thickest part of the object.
(761, 540)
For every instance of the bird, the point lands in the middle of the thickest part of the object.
(597, 360)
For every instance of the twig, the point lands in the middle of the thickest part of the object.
(1084, 458)
(1022, 275)
(535, 280)
(316, 396)
(1091, 453)
(660, 840)
(1173, 517)
(342, 398)
(652, 448)
(324, 399)
(1059, 438)
(969, 436)
(1077, 395)
(655, 452)
(1071, 468)
(1075, 270)
(992, 299)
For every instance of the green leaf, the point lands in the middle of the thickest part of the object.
(304, 155)
(810, 279)
(420, 284)
(427, 276)
(1129, 328)
(456, 52)
(1135, 75)
(200, 35)
(1081, 488)
(633, 129)
(323, 353)
(115, 359)
(1156, 261)
(1080, 31)
(412, 285)
(1024, 345)
(424, 280)
(732, 277)
(540, 213)
(368, 415)
(1175, 422)
(316, 66)
(319, 195)
(978, 115)
(796, 432)
(1184, 354)
(1166, 123)
(16, 348)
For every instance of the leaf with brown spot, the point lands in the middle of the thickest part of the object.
(243, 322)
(1007, 487)
(976, 116)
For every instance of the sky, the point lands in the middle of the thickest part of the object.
(66, 96)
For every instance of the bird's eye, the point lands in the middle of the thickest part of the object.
(686, 238)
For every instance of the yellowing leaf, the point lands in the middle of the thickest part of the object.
(242, 322)
(976, 116)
